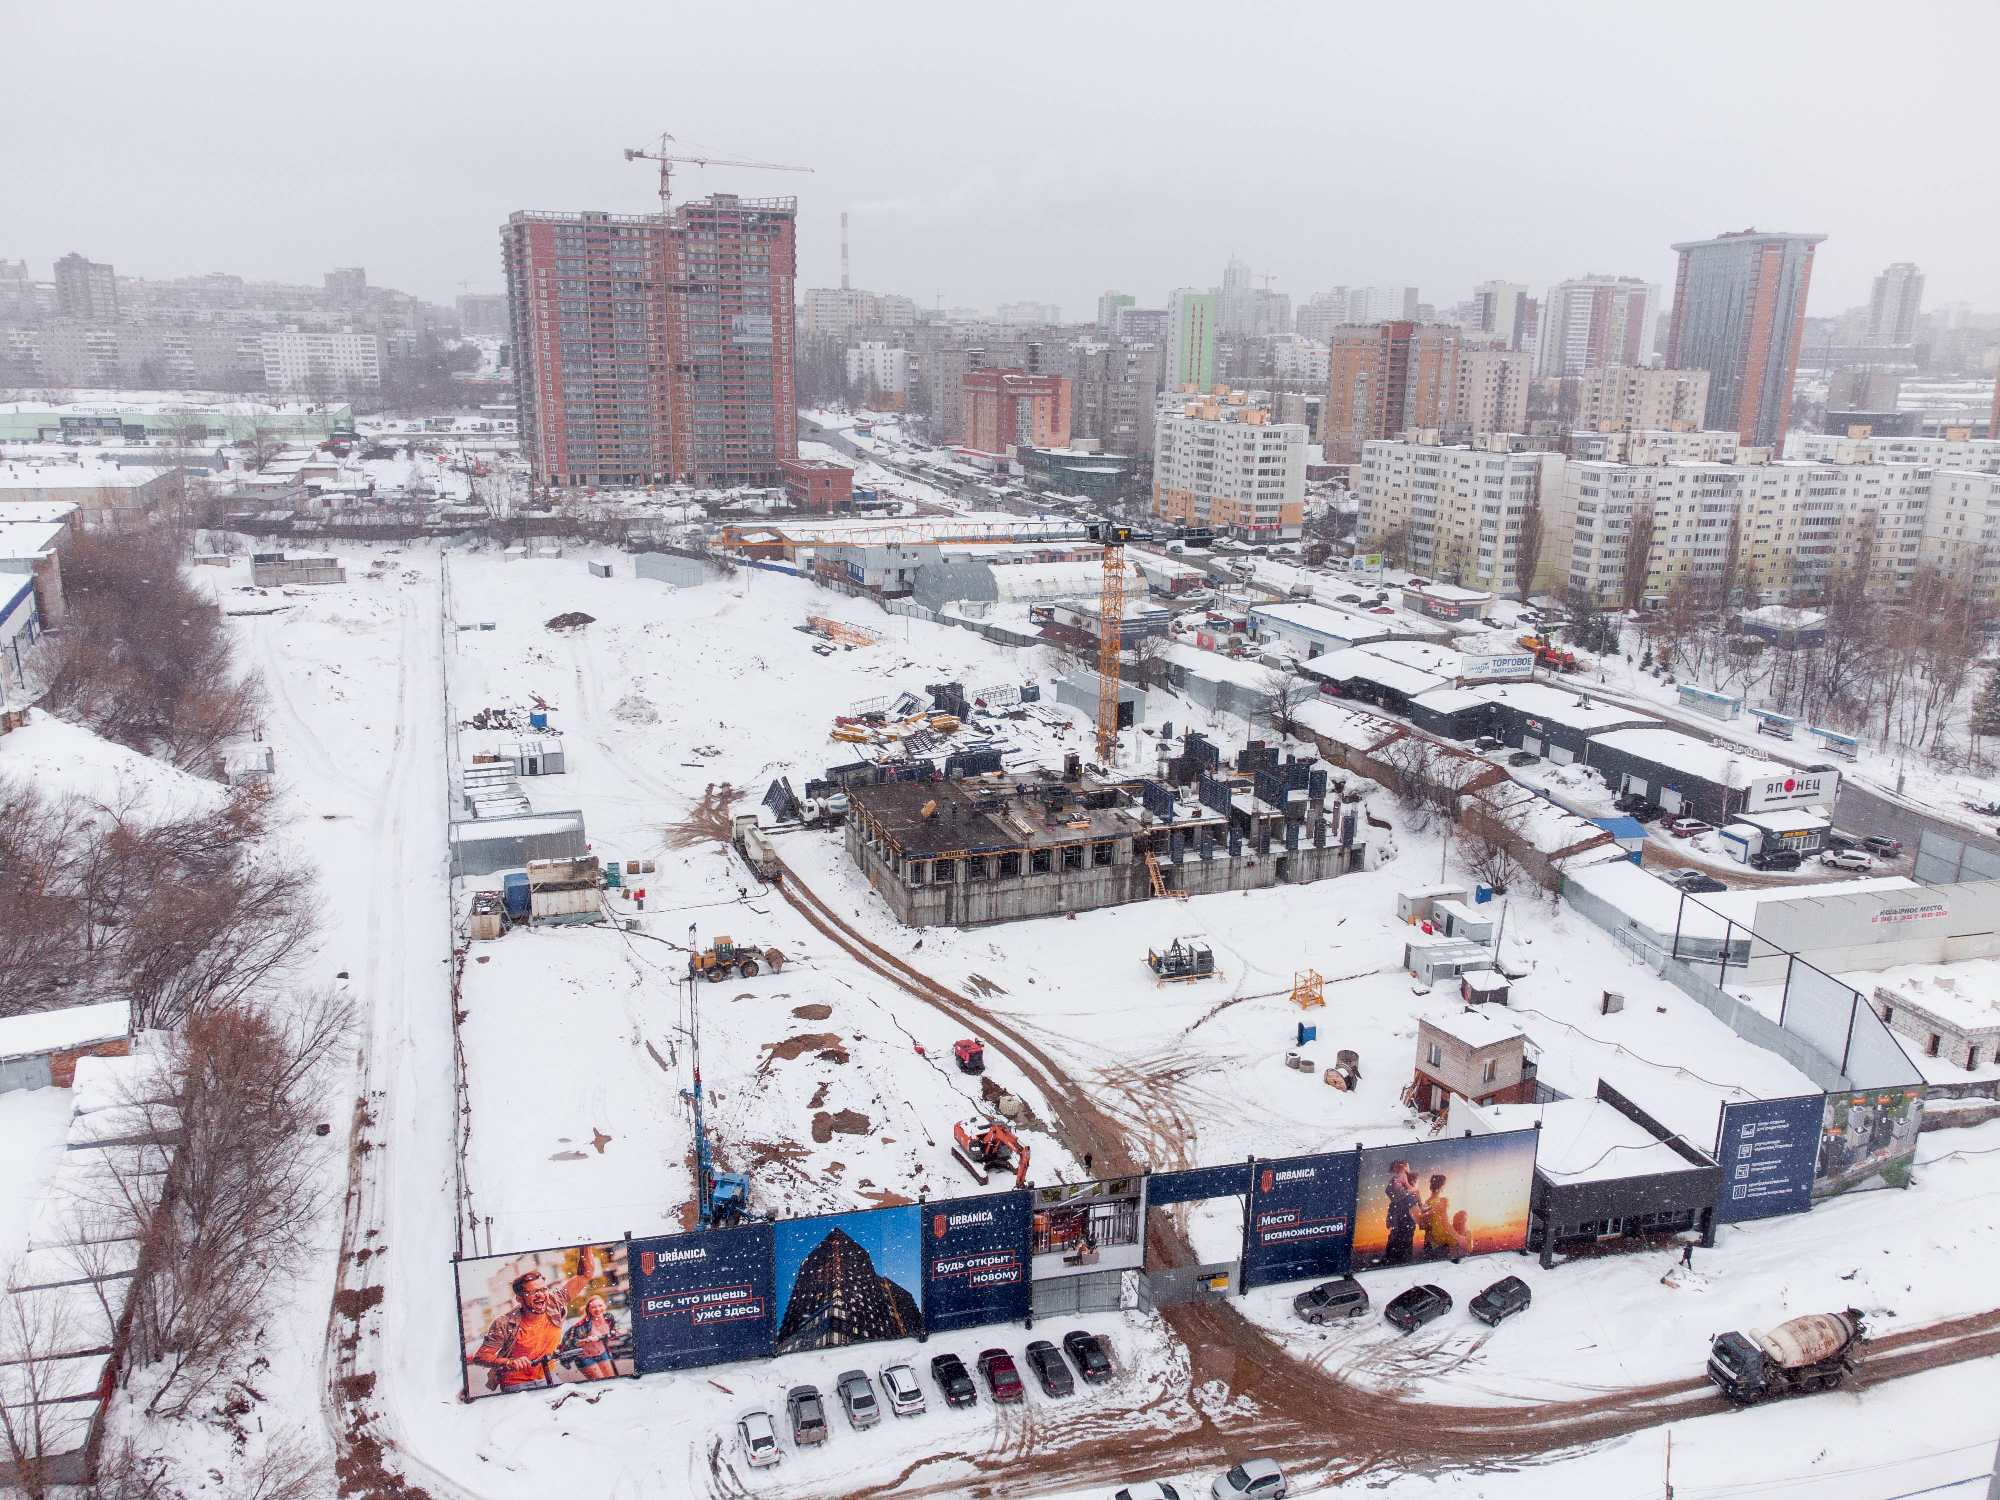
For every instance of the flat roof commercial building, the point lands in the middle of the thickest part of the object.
(1692, 778)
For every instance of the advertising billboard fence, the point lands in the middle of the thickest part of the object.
(847, 1278)
(540, 1318)
(702, 1299)
(976, 1260)
(1444, 1199)
(1867, 1139)
(1301, 1220)
(1163, 1188)
(1766, 1149)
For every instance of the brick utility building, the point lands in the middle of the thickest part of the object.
(655, 347)
(1005, 408)
(817, 484)
(1469, 1052)
(1740, 313)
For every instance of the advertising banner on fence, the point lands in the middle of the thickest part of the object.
(1444, 1199)
(848, 1278)
(1301, 1218)
(1867, 1139)
(1163, 1188)
(1766, 1149)
(540, 1318)
(1080, 1227)
(976, 1260)
(701, 1299)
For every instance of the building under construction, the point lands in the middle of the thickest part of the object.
(998, 848)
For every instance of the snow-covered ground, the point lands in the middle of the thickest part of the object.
(577, 1052)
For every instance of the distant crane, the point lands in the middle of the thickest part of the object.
(667, 158)
(1110, 634)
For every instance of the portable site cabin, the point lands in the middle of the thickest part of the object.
(1483, 987)
(565, 889)
(1417, 905)
(1430, 959)
(1455, 919)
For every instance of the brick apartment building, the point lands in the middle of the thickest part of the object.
(1384, 379)
(1004, 408)
(655, 347)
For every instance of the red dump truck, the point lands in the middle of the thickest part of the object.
(1812, 1353)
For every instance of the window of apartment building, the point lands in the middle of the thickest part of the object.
(1489, 1072)
(1434, 1055)
(975, 867)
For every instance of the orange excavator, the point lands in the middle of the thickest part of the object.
(984, 1147)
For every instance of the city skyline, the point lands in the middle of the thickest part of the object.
(933, 213)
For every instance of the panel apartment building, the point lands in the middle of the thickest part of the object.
(1453, 511)
(1385, 379)
(654, 347)
(1220, 462)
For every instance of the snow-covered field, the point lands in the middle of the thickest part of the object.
(577, 1052)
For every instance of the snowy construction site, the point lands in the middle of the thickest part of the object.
(769, 974)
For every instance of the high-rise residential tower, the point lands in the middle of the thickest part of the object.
(1594, 321)
(1892, 309)
(1190, 339)
(1385, 379)
(1501, 312)
(1739, 313)
(86, 290)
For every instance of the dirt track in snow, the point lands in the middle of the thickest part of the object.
(1243, 1389)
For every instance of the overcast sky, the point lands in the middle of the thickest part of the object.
(1021, 151)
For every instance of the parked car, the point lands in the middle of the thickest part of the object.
(1151, 1490)
(1523, 758)
(1087, 1351)
(1687, 828)
(758, 1436)
(1848, 859)
(808, 1414)
(1046, 1360)
(1418, 1306)
(954, 1381)
(1488, 742)
(857, 1399)
(1343, 1297)
(1253, 1479)
(1776, 859)
(1002, 1378)
(1695, 883)
(1647, 812)
(1988, 809)
(1838, 838)
(1500, 1301)
(1882, 844)
(901, 1390)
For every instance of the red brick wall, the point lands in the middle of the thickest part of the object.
(62, 1066)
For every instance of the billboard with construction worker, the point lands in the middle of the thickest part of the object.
(541, 1318)
(976, 1260)
(699, 1299)
(1443, 1199)
(1080, 1227)
(1766, 1149)
(1867, 1139)
(1301, 1218)
(847, 1278)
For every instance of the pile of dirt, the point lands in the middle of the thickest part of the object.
(635, 708)
(813, 1012)
(575, 619)
(846, 1122)
(991, 1093)
(826, 1043)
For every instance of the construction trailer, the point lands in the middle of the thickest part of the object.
(270, 570)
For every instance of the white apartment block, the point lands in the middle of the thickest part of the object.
(1621, 397)
(1492, 394)
(1596, 320)
(1648, 446)
(1980, 454)
(1298, 361)
(1962, 527)
(1220, 462)
(328, 364)
(877, 366)
(1462, 506)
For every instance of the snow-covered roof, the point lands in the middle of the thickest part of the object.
(1324, 620)
(1586, 1140)
(1725, 765)
(59, 511)
(27, 539)
(15, 475)
(1559, 706)
(1345, 726)
(57, 1030)
(1966, 994)
(1475, 1026)
(1383, 671)
(1787, 820)
(1449, 700)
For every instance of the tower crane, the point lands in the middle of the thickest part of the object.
(1110, 634)
(667, 158)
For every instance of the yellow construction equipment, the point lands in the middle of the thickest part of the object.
(1308, 989)
(1160, 887)
(1110, 639)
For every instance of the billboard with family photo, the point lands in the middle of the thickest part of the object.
(542, 1318)
(1443, 1199)
(848, 1278)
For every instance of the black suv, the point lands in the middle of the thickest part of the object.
(1046, 1360)
(1418, 1306)
(1091, 1360)
(1500, 1301)
(954, 1381)
(1776, 859)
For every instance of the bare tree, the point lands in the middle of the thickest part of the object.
(1638, 556)
(37, 1334)
(263, 445)
(1428, 779)
(1286, 690)
(1528, 549)
(1492, 841)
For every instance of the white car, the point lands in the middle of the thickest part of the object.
(1848, 859)
(758, 1435)
(1253, 1479)
(1150, 1490)
(901, 1390)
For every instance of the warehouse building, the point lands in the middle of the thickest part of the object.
(1692, 778)
(1552, 721)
